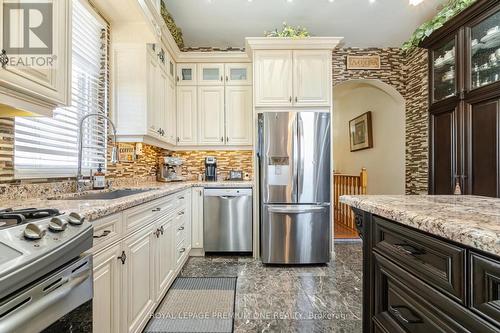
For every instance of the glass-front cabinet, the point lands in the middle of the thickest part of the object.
(238, 74)
(444, 73)
(211, 74)
(484, 43)
(186, 74)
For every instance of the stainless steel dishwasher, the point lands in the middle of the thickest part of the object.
(227, 220)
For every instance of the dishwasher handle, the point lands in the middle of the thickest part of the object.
(227, 192)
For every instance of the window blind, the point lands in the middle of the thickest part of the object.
(48, 147)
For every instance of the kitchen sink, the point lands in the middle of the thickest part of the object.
(110, 195)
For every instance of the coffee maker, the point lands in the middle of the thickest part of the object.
(170, 169)
(210, 168)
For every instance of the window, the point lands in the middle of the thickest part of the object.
(48, 147)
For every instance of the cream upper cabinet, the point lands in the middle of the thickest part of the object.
(312, 79)
(138, 279)
(154, 88)
(187, 115)
(170, 126)
(273, 72)
(165, 256)
(107, 291)
(37, 88)
(211, 74)
(239, 115)
(186, 75)
(211, 115)
(238, 74)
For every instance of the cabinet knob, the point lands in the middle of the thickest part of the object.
(4, 59)
(182, 250)
(123, 257)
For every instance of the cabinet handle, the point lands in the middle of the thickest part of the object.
(157, 233)
(221, 139)
(412, 318)
(180, 228)
(410, 250)
(123, 257)
(182, 250)
(178, 139)
(162, 230)
(104, 234)
(156, 209)
(180, 213)
(177, 78)
(4, 59)
(181, 198)
(227, 78)
(296, 100)
(227, 139)
(221, 78)
(290, 99)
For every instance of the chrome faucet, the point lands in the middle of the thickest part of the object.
(114, 153)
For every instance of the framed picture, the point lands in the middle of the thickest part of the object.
(360, 131)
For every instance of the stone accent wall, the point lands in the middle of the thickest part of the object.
(144, 166)
(408, 75)
(227, 160)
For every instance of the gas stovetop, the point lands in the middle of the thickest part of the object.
(11, 217)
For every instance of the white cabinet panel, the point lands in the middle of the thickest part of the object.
(186, 75)
(165, 260)
(170, 126)
(273, 78)
(211, 115)
(197, 217)
(187, 115)
(238, 74)
(138, 279)
(107, 283)
(239, 115)
(312, 78)
(211, 74)
(153, 88)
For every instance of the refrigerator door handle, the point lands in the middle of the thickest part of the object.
(295, 158)
(296, 210)
(300, 157)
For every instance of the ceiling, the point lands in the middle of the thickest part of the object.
(362, 23)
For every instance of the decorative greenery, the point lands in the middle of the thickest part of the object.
(450, 9)
(288, 31)
(174, 29)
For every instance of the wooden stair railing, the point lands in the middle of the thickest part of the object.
(347, 185)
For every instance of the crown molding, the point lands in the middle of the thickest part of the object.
(288, 43)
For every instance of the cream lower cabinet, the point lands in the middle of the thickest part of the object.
(197, 217)
(134, 269)
(211, 115)
(238, 112)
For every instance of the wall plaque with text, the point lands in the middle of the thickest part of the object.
(363, 62)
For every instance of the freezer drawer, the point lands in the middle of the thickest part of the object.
(227, 220)
(296, 234)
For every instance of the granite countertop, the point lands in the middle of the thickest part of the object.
(469, 220)
(95, 209)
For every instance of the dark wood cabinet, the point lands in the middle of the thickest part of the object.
(464, 95)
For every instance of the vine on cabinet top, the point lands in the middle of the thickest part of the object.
(172, 27)
(288, 31)
(449, 10)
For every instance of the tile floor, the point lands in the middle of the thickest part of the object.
(292, 299)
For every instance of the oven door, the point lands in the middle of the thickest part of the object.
(52, 302)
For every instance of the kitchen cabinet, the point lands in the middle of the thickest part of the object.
(170, 125)
(197, 217)
(187, 75)
(273, 70)
(238, 113)
(211, 115)
(107, 292)
(464, 97)
(187, 117)
(238, 74)
(165, 262)
(312, 79)
(38, 89)
(211, 74)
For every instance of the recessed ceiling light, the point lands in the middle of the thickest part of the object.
(331, 0)
(372, 1)
(416, 2)
(289, 0)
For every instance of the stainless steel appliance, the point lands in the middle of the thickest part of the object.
(45, 277)
(294, 162)
(227, 220)
(170, 169)
(210, 168)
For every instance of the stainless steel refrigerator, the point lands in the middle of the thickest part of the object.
(294, 166)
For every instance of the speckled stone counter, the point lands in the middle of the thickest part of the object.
(469, 220)
(95, 209)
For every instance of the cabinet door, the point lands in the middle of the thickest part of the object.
(170, 128)
(197, 217)
(186, 75)
(239, 115)
(138, 279)
(107, 290)
(443, 62)
(482, 133)
(238, 74)
(211, 115)
(161, 114)
(312, 78)
(211, 74)
(443, 167)
(49, 83)
(187, 115)
(153, 82)
(165, 256)
(273, 78)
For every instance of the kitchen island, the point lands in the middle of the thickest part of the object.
(430, 263)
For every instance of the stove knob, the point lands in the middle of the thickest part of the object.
(58, 223)
(33, 231)
(75, 219)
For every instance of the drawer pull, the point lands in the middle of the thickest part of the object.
(123, 257)
(181, 198)
(156, 209)
(182, 250)
(180, 213)
(180, 228)
(410, 250)
(157, 233)
(404, 315)
(162, 230)
(104, 234)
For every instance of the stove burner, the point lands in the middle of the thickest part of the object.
(10, 217)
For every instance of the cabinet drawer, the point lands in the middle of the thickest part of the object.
(440, 264)
(107, 230)
(181, 198)
(403, 303)
(143, 214)
(485, 287)
(180, 252)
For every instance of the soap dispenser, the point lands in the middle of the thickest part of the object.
(99, 181)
